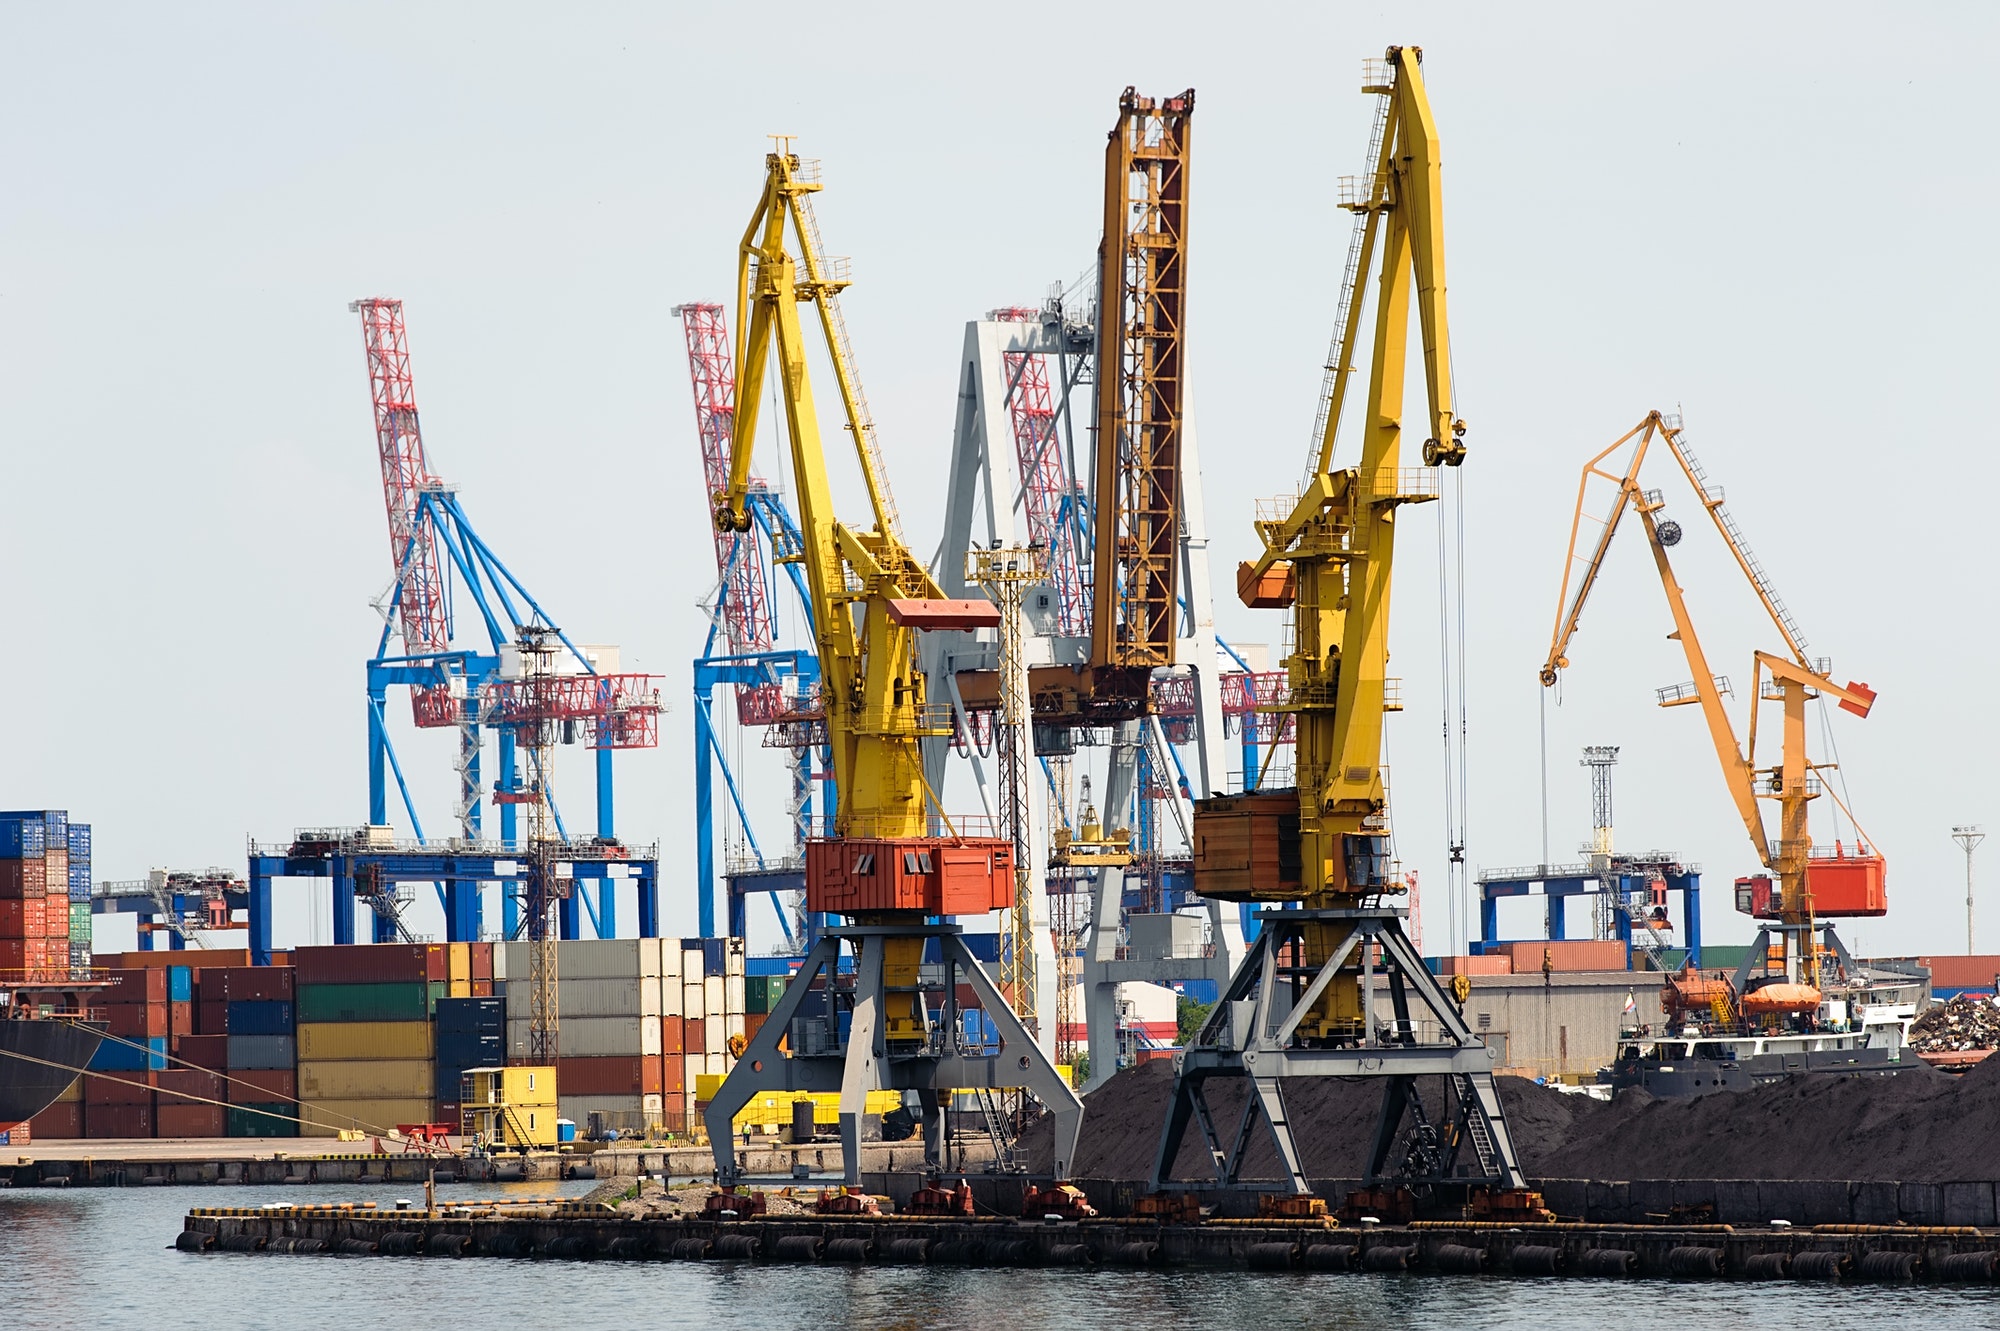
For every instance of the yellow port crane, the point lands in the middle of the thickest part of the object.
(1794, 679)
(1306, 1000)
(892, 862)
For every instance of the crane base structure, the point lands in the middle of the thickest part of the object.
(1251, 1035)
(942, 1061)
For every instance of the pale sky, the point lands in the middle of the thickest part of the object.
(1774, 218)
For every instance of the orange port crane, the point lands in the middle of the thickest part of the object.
(891, 862)
(1794, 678)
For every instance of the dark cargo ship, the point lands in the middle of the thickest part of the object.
(46, 1038)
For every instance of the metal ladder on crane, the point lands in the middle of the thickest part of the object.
(997, 1129)
(1475, 1124)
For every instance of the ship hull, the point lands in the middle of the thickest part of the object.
(36, 1058)
(1699, 1076)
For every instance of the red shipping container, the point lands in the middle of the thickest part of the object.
(118, 1088)
(482, 988)
(137, 1021)
(24, 919)
(202, 1051)
(371, 963)
(672, 1034)
(206, 959)
(25, 880)
(180, 1019)
(608, 1076)
(190, 1121)
(60, 1121)
(210, 1019)
(26, 957)
(123, 1121)
(184, 1086)
(1566, 955)
(261, 1086)
(969, 877)
(752, 1023)
(55, 917)
(137, 985)
(673, 1077)
(250, 984)
(694, 1036)
(482, 961)
(1499, 965)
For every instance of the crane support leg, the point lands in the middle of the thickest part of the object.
(876, 1056)
(1252, 1037)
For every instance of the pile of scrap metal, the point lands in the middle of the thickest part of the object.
(1957, 1033)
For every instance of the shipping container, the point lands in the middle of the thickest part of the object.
(328, 1118)
(459, 1050)
(471, 1014)
(190, 1121)
(23, 880)
(61, 1121)
(102, 1122)
(137, 986)
(364, 1039)
(671, 1035)
(137, 1021)
(180, 1019)
(202, 1051)
(212, 1019)
(606, 959)
(188, 1086)
(263, 1051)
(79, 842)
(597, 1037)
(79, 880)
(180, 984)
(250, 984)
(608, 1076)
(366, 1079)
(371, 963)
(270, 1120)
(734, 989)
(624, 1114)
(119, 1055)
(22, 839)
(715, 996)
(371, 1002)
(458, 963)
(120, 1087)
(482, 962)
(260, 1018)
(694, 999)
(254, 1086)
(633, 997)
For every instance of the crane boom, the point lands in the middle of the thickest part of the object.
(1792, 676)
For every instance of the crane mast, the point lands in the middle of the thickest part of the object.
(1795, 678)
(1305, 1001)
(892, 862)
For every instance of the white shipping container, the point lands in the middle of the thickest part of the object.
(716, 1065)
(633, 997)
(604, 1037)
(715, 997)
(691, 965)
(732, 995)
(734, 1025)
(607, 959)
(672, 997)
(694, 1000)
(716, 1033)
(733, 962)
(670, 958)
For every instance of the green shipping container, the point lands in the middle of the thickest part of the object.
(367, 1002)
(762, 992)
(270, 1120)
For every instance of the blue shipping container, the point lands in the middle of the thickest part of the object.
(79, 842)
(21, 839)
(260, 1018)
(253, 1052)
(471, 1051)
(471, 1014)
(79, 880)
(55, 823)
(714, 956)
(115, 1055)
(180, 984)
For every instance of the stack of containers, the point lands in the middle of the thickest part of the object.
(365, 1041)
(24, 947)
(610, 1000)
(713, 996)
(79, 900)
(471, 1033)
(256, 1011)
(137, 1011)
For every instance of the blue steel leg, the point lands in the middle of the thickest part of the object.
(1691, 913)
(605, 822)
(738, 913)
(176, 943)
(649, 901)
(568, 914)
(260, 913)
(1556, 904)
(146, 918)
(704, 817)
(343, 903)
(378, 746)
(607, 905)
(1489, 919)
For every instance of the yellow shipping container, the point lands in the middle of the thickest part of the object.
(459, 964)
(331, 1117)
(321, 1040)
(366, 1079)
